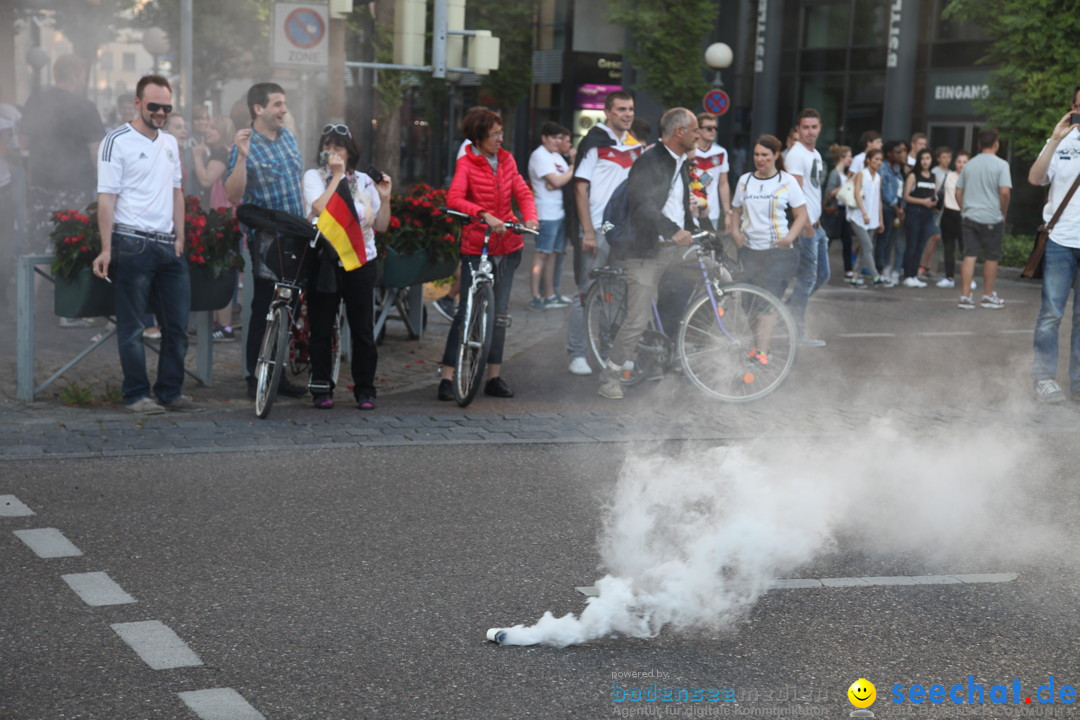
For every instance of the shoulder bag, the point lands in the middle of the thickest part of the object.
(1033, 268)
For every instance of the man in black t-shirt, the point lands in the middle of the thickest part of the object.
(63, 129)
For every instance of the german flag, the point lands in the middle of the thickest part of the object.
(339, 224)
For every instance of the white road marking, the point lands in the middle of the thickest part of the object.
(948, 333)
(48, 543)
(97, 589)
(220, 704)
(11, 506)
(812, 583)
(1026, 331)
(157, 645)
(866, 335)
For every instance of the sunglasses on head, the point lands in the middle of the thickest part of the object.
(337, 129)
(158, 107)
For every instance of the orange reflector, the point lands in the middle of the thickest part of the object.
(607, 297)
(748, 378)
(719, 311)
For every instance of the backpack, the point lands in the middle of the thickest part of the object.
(618, 225)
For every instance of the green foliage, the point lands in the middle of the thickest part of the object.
(1015, 250)
(77, 395)
(512, 23)
(667, 35)
(111, 395)
(1035, 52)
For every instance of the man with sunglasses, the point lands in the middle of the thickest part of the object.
(711, 163)
(141, 220)
(264, 169)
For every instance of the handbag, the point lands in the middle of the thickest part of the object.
(1033, 267)
(846, 194)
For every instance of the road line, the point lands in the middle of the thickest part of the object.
(863, 582)
(48, 543)
(11, 506)
(1028, 331)
(97, 589)
(949, 333)
(220, 704)
(157, 645)
(866, 335)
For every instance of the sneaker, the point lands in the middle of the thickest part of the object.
(151, 333)
(913, 282)
(365, 402)
(992, 302)
(580, 366)
(807, 341)
(610, 385)
(974, 284)
(895, 277)
(144, 406)
(223, 333)
(556, 301)
(966, 303)
(856, 282)
(1048, 391)
(563, 299)
(538, 304)
(497, 387)
(76, 322)
(183, 404)
(946, 283)
(883, 281)
(292, 390)
(446, 307)
(446, 390)
(323, 401)
(849, 274)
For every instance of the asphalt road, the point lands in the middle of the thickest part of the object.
(358, 583)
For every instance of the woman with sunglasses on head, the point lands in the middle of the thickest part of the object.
(486, 180)
(336, 160)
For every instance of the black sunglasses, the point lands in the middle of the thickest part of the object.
(158, 107)
(338, 129)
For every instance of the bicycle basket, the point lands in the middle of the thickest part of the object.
(281, 248)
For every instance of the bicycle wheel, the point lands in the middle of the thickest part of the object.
(741, 349)
(271, 362)
(298, 342)
(605, 310)
(475, 343)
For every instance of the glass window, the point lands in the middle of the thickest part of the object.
(825, 93)
(826, 25)
(871, 19)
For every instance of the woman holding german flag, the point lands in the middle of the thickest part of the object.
(351, 207)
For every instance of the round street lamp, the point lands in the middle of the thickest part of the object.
(719, 56)
(156, 42)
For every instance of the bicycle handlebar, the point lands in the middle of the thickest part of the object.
(467, 218)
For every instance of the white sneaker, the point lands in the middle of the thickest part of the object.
(895, 277)
(1048, 391)
(913, 282)
(946, 283)
(992, 302)
(580, 366)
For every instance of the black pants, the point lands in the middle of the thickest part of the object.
(950, 236)
(357, 289)
(262, 292)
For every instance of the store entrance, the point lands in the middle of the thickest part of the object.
(955, 135)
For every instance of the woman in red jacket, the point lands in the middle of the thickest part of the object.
(486, 179)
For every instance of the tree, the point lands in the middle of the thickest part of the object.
(512, 23)
(88, 24)
(1034, 49)
(667, 35)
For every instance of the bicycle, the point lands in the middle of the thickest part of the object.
(479, 319)
(736, 342)
(299, 358)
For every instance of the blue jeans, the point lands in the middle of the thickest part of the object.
(551, 238)
(920, 225)
(812, 273)
(145, 271)
(1059, 277)
(888, 240)
(504, 281)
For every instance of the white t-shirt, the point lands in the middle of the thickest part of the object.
(1064, 167)
(142, 173)
(365, 200)
(605, 168)
(710, 165)
(763, 203)
(857, 163)
(549, 203)
(808, 165)
(871, 201)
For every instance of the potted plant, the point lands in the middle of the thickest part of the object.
(419, 246)
(211, 247)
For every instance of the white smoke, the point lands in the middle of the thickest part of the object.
(693, 541)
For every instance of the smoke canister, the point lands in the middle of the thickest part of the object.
(496, 635)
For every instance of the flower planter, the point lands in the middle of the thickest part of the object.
(404, 270)
(85, 296)
(208, 292)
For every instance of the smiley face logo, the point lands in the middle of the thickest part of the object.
(862, 693)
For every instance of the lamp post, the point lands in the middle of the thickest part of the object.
(156, 42)
(719, 56)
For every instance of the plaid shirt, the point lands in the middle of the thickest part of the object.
(273, 172)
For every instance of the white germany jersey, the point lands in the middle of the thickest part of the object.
(142, 173)
(763, 203)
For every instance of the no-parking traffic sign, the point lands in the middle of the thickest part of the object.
(716, 101)
(300, 35)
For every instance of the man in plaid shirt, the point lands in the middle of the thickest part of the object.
(264, 169)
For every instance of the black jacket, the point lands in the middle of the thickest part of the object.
(649, 184)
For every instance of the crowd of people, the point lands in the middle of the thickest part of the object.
(888, 207)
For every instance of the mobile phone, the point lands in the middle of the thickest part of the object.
(324, 158)
(1075, 119)
(373, 173)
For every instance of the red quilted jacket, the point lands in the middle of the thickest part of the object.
(476, 190)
